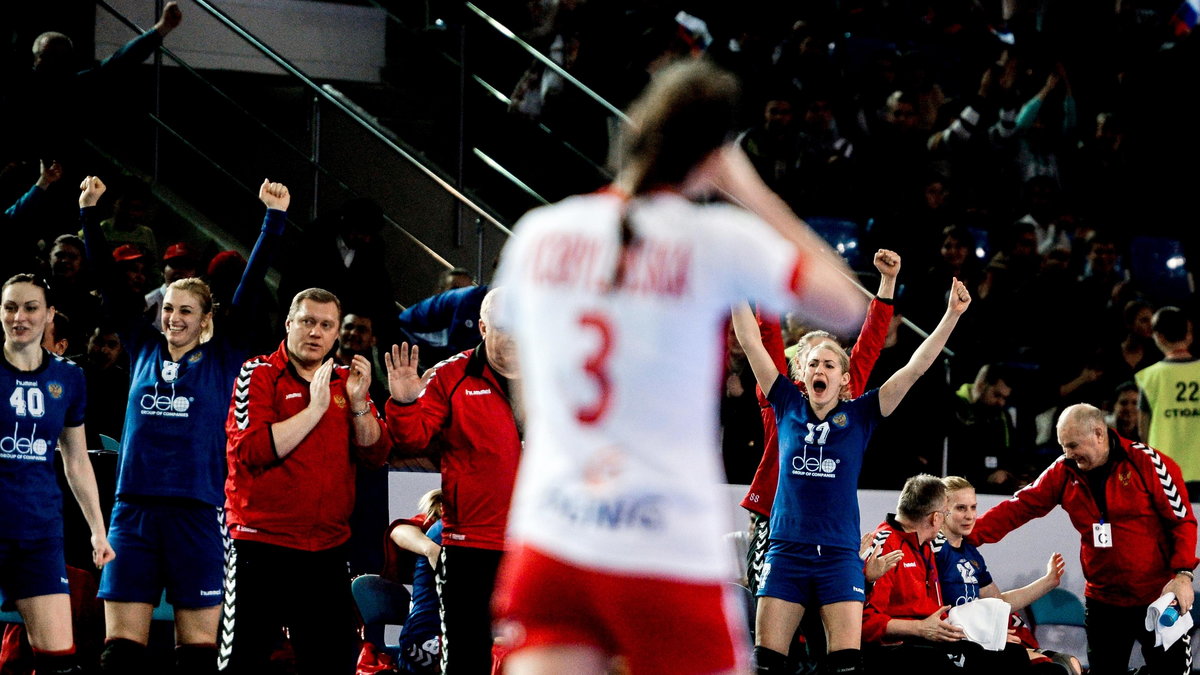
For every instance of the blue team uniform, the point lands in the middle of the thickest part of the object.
(39, 404)
(813, 555)
(168, 519)
(961, 571)
(420, 637)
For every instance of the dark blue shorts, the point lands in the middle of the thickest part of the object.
(171, 545)
(812, 575)
(31, 567)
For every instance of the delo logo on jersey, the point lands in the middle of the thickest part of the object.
(19, 446)
(816, 467)
(170, 371)
(163, 405)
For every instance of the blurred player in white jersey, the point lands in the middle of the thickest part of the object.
(617, 301)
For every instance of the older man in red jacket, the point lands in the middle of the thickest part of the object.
(1137, 535)
(468, 400)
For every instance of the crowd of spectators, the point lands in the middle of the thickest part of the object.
(1020, 147)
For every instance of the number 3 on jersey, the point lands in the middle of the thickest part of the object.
(28, 402)
(595, 366)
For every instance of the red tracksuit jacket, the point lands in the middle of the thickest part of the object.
(908, 591)
(481, 446)
(1153, 527)
(304, 500)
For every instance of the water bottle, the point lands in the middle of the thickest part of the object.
(1169, 616)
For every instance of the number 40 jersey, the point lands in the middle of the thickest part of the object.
(40, 403)
(621, 470)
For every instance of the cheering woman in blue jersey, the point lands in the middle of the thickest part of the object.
(812, 559)
(45, 410)
(167, 523)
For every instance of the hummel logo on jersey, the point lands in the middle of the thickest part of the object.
(477, 392)
(294, 394)
(910, 564)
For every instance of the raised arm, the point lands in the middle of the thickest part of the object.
(874, 332)
(367, 428)
(745, 326)
(413, 417)
(276, 198)
(893, 391)
(836, 300)
(171, 17)
(1021, 598)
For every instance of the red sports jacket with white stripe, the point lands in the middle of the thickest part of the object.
(1153, 527)
(304, 500)
(465, 404)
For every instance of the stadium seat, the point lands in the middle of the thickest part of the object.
(1160, 266)
(164, 611)
(380, 602)
(982, 250)
(1057, 620)
(842, 234)
(1058, 607)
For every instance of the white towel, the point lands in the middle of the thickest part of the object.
(1165, 636)
(985, 621)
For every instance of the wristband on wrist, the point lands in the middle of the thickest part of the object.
(1187, 573)
(360, 413)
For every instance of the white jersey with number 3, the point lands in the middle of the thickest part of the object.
(621, 469)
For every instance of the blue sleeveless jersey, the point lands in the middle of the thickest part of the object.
(961, 572)
(819, 464)
(38, 405)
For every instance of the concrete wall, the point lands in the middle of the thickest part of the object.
(325, 40)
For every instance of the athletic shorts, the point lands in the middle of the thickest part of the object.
(173, 545)
(31, 567)
(657, 625)
(812, 575)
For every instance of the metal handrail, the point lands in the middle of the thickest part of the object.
(371, 127)
(549, 63)
(249, 189)
(492, 91)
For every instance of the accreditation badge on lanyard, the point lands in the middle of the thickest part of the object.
(1102, 535)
